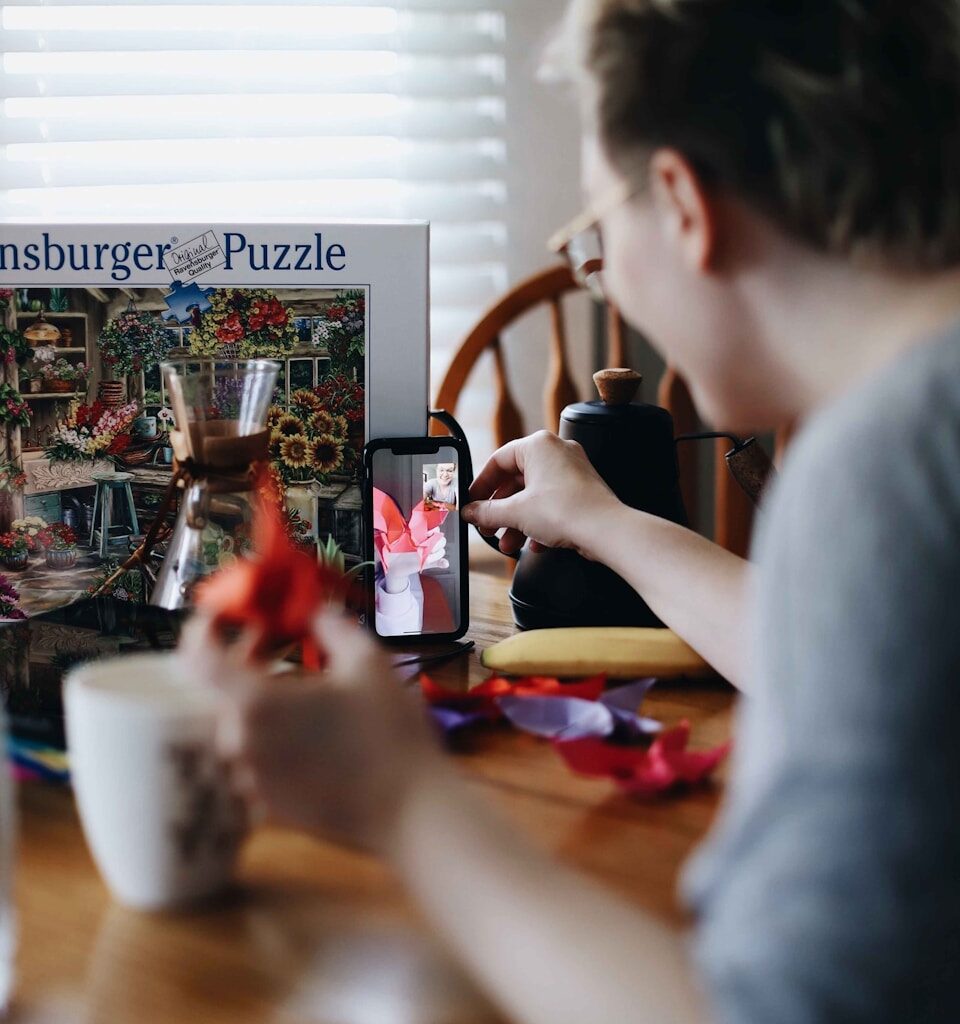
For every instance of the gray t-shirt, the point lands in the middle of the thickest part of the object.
(830, 891)
(435, 490)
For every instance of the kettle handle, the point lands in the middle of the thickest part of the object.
(451, 423)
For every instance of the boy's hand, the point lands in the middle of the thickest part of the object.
(540, 487)
(335, 754)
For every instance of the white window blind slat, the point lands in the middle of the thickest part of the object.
(245, 110)
(437, 6)
(267, 200)
(211, 117)
(81, 163)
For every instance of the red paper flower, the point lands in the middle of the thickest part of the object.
(644, 772)
(483, 697)
(277, 593)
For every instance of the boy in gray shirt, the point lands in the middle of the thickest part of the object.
(830, 890)
(773, 199)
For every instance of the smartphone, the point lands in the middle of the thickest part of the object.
(413, 491)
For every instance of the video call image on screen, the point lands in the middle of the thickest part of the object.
(416, 534)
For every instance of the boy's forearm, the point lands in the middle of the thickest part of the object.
(697, 588)
(548, 945)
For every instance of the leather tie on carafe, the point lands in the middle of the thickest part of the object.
(227, 463)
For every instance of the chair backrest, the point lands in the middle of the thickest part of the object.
(733, 512)
(545, 288)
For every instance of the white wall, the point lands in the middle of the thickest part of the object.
(543, 193)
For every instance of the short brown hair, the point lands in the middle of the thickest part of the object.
(838, 119)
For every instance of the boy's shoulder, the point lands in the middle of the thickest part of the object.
(890, 447)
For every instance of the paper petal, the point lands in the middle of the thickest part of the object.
(498, 686)
(423, 520)
(643, 772)
(553, 717)
(687, 765)
(387, 517)
(454, 720)
(623, 702)
(613, 715)
(630, 728)
(539, 686)
(277, 594)
(629, 696)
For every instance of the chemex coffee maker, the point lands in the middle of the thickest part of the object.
(632, 446)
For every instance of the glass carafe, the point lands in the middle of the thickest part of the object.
(220, 409)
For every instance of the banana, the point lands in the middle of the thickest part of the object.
(620, 652)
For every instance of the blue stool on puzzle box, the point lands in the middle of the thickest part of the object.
(107, 485)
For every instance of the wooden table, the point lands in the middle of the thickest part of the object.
(317, 934)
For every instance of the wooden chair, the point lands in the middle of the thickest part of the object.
(547, 287)
(733, 512)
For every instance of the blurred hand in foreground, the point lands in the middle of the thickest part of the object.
(335, 754)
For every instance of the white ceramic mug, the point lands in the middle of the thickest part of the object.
(154, 800)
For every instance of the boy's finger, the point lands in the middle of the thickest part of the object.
(350, 650)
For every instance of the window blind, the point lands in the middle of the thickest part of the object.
(246, 110)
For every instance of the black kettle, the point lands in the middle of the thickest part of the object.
(631, 445)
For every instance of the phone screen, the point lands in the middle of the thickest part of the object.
(417, 538)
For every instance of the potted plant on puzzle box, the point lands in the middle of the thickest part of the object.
(308, 442)
(129, 342)
(242, 323)
(32, 375)
(92, 432)
(59, 544)
(342, 333)
(10, 609)
(13, 409)
(65, 377)
(166, 423)
(342, 397)
(13, 550)
(29, 527)
(12, 481)
(14, 346)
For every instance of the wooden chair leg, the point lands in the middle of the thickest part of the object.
(674, 396)
(616, 345)
(732, 508)
(559, 391)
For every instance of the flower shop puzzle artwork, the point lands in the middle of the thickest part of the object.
(91, 311)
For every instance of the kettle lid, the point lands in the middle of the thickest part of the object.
(618, 387)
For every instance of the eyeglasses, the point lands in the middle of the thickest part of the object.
(580, 242)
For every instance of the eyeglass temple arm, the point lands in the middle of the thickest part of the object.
(747, 461)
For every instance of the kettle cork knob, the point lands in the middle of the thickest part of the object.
(618, 385)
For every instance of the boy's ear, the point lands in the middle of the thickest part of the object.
(687, 212)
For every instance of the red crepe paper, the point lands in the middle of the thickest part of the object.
(277, 593)
(644, 771)
(497, 686)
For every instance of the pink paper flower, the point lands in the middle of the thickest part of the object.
(392, 534)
